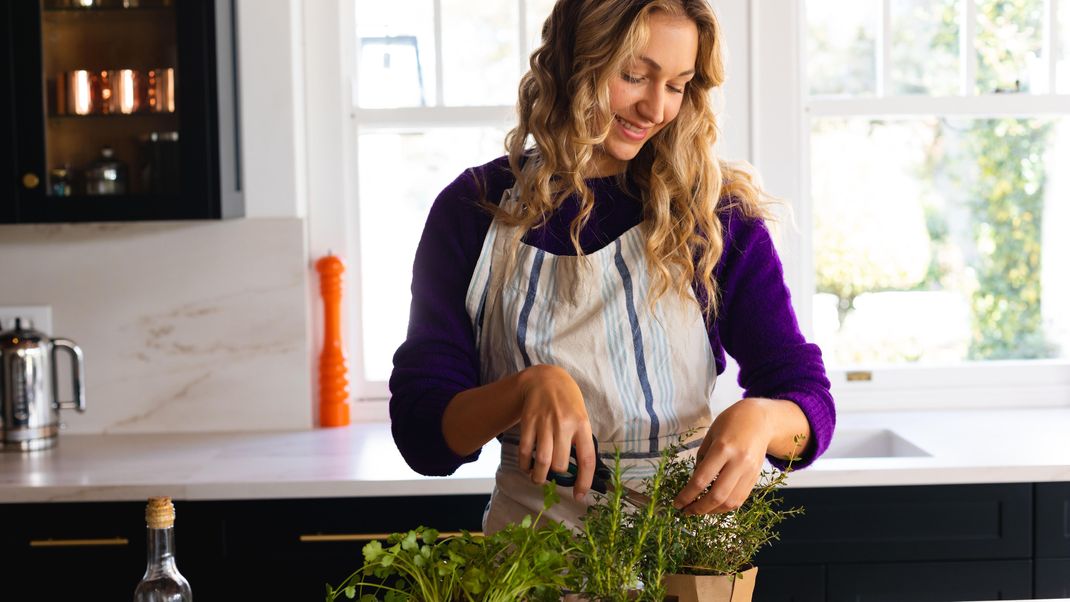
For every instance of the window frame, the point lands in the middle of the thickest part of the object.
(780, 134)
(372, 395)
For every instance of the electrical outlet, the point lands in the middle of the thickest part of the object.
(40, 316)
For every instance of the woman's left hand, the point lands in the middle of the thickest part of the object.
(730, 457)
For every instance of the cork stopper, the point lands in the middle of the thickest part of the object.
(160, 513)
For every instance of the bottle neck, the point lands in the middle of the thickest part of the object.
(161, 547)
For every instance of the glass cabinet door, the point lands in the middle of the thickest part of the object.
(111, 73)
(119, 110)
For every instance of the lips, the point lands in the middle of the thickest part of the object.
(630, 130)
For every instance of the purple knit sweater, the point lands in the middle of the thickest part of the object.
(755, 321)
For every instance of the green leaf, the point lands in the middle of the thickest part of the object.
(526, 523)
(351, 592)
(550, 496)
(409, 543)
(372, 550)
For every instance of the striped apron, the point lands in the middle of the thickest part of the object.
(646, 376)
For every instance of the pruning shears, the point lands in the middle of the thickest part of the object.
(602, 481)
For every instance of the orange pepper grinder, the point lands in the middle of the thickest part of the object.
(334, 384)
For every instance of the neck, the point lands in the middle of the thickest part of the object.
(602, 165)
(161, 549)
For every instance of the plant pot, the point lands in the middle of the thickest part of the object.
(711, 588)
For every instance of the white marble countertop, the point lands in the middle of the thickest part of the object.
(976, 446)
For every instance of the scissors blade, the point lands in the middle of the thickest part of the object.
(634, 498)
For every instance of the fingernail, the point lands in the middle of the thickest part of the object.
(677, 505)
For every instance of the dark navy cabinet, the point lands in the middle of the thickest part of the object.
(1052, 565)
(931, 543)
(927, 543)
(931, 582)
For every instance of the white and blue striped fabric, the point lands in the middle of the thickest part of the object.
(647, 376)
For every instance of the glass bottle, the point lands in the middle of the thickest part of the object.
(162, 581)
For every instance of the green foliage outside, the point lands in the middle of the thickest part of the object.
(1007, 210)
(1008, 193)
(1003, 177)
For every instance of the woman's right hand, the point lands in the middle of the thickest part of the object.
(553, 418)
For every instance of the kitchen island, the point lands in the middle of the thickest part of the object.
(941, 505)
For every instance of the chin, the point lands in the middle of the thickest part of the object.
(624, 153)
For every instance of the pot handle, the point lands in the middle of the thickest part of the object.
(77, 369)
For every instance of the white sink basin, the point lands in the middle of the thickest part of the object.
(875, 443)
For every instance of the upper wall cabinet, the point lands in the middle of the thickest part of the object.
(118, 110)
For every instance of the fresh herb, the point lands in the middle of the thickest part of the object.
(525, 561)
(615, 538)
(621, 549)
(714, 544)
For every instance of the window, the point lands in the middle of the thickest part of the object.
(434, 89)
(931, 181)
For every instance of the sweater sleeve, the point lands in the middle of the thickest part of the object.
(439, 358)
(757, 326)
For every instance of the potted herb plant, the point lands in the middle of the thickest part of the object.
(702, 558)
(709, 558)
(526, 561)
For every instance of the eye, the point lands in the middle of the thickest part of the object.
(675, 90)
(631, 79)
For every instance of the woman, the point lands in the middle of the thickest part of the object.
(591, 281)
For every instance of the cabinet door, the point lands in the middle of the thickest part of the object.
(931, 582)
(1053, 520)
(309, 543)
(8, 179)
(905, 524)
(97, 547)
(116, 114)
(1052, 578)
(100, 547)
(790, 584)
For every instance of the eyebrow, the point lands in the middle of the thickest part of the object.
(657, 67)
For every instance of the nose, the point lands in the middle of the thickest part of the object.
(652, 105)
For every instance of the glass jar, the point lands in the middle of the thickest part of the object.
(106, 175)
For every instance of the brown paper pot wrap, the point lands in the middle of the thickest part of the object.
(711, 588)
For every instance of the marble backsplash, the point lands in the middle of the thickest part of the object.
(188, 326)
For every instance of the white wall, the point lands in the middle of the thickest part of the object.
(270, 48)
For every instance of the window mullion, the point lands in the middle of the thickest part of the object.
(884, 48)
(522, 26)
(440, 86)
(967, 50)
(1051, 42)
(978, 106)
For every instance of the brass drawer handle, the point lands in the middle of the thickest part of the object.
(67, 543)
(369, 536)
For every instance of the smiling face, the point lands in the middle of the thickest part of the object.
(647, 93)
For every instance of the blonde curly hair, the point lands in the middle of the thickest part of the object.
(564, 110)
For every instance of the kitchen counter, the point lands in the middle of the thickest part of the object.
(880, 448)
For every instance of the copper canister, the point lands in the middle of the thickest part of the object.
(77, 93)
(160, 90)
(121, 91)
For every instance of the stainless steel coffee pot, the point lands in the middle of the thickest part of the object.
(29, 414)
